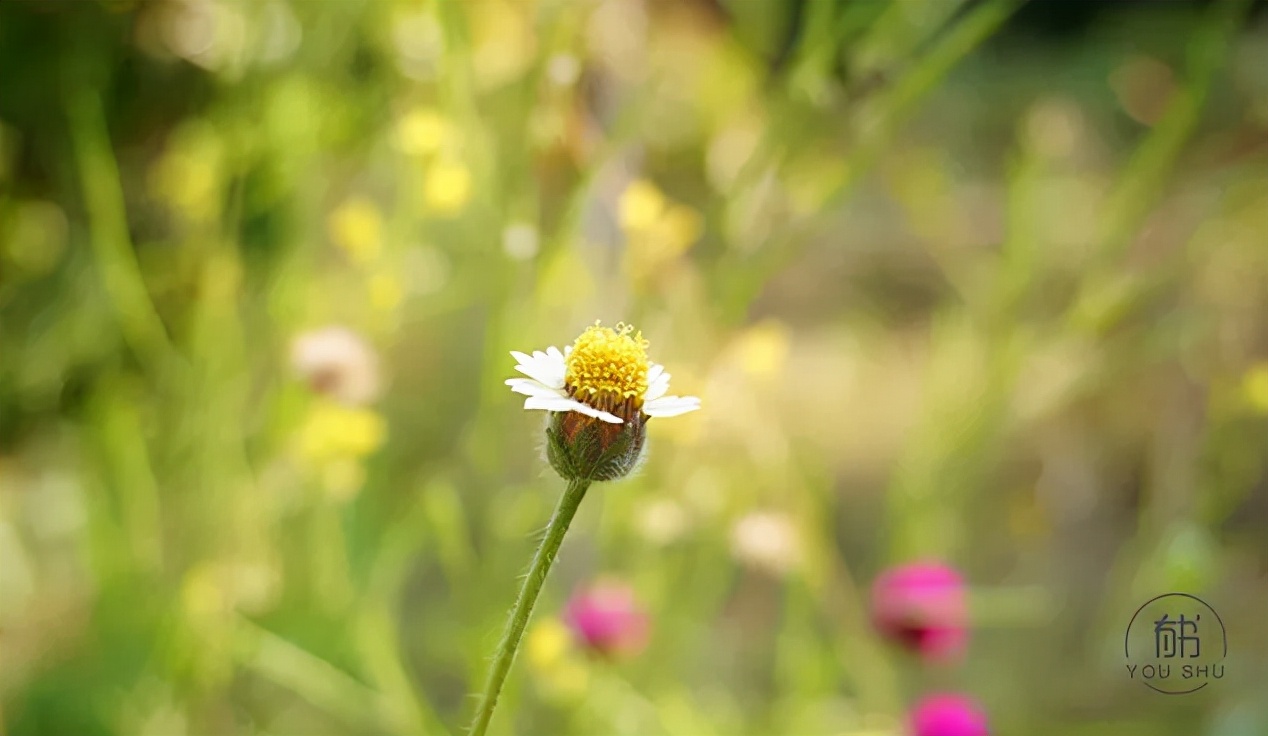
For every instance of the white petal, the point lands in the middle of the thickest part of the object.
(671, 406)
(532, 387)
(559, 403)
(549, 403)
(590, 411)
(539, 374)
(675, 400)
(546, 369)
(525, 362)
(657, 382)
(656, 388)
(554, 362)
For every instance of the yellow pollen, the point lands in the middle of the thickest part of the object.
(607, 368)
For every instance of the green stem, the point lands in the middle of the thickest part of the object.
(523, 609)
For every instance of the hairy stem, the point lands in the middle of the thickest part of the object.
(527, 599)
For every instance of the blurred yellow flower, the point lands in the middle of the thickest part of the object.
(421, 132)
(335, 432)
(187, 176)
(549, 652)
(386, 292)
(357, 227)
(547, 644)
(659, 231)
(681, 226)
(641, 205)
(663, 242)
(503, 40)
(448, 187)
(204, 594)
(1255, 386)
(763, 348)
(188, 184)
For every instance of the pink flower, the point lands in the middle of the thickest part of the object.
(948, 715)
(922, 606)
(607, 618)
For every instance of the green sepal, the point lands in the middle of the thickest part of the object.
(597, 450)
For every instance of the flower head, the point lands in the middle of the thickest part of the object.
(767, 541)
(548, 647)
(334, 440)
(602, 390)
(337, 362)
(421, 132)
(607, 618)
(922, 606)
(658, 231)
(356, 226)
(335, 432)
(604, 374)
(1255, 385)
(641, 205)
(547, 644)
(448, 187)
(948, 715)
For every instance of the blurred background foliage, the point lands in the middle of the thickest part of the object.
(975, 280)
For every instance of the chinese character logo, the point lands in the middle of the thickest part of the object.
(1172, 638)
(1176, 644)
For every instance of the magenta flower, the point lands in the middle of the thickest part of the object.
(607, 618)
(922, 606)
(948, 715)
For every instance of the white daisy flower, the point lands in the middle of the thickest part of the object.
(604, 374)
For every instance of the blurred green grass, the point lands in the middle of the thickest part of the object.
(946, 288)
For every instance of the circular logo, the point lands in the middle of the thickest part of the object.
(1175, 644)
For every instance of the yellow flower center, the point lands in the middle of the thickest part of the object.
(607, 369)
